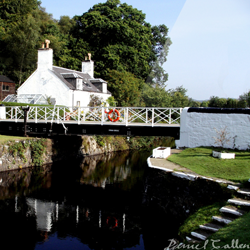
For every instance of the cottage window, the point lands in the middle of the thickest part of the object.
(6, 88)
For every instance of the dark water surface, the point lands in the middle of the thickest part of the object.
(101, 202)
(91, 203)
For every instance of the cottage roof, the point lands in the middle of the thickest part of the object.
(5, 79)
(64, 74)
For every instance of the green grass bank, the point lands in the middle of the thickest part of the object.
(235, 235)
(200, 161)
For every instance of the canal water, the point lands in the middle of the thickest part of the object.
(98, 202)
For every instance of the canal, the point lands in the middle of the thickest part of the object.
(99, 202)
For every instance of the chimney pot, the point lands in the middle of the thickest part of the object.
(47, 43)
(89, 55)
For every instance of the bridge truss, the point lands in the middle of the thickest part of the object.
(58, 120)
(151, 116)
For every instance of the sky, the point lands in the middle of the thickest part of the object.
(210, 51)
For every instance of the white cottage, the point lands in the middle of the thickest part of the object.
(67, 87)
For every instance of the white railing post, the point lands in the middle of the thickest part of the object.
(11, 112)
(126, 117)
(15, 114)
(35, 114)
(79, 120)
(153, 114)
(102, 116)
(146, 115)
(57, 115)
(45, 114)
(169, 117)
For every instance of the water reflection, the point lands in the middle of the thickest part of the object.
(90, 203)
(94, 203)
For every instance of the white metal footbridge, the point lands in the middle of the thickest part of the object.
(81, 120)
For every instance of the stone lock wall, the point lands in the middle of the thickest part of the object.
(202, 126)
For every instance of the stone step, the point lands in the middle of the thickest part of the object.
(211, 227)
(223, 219)
(201, 234)
(232, 210)
(239, 202)
(233, 187)
(244, 192)
(192, 240)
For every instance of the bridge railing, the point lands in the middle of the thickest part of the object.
(123, 115)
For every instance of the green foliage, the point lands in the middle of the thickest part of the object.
(244, 100)
(18, 149)
(100, 140)
(201, 217)
(123, 143)
(111, 101)
(155, 96)
(65, 24)
(204, 104)
(158, 75)
(38, 149)
(119, 38)
(179, 97)
(17, 46)
(193, 103)
(125, 88)
(24, 25)
(218, 102)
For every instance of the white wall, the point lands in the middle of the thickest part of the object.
(46, 83)
(84, 97)
(199, 129)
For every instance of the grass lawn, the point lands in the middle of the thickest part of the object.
(200, 161)
(5, 138)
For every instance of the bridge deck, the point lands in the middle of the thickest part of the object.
(43, 128)
(136, 124)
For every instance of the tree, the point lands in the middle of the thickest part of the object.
(24, 25)
(244, 100)
(155, 96)
(125, 87)
(217, 102)
(204, 104)
(21, 35)
(193, 103)
(66, 24)
(158, 75)
(118, 37)
(179, 97)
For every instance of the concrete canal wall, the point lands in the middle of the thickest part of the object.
(208, 126)
(18, 154)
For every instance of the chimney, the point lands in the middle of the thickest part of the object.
(45, 57)
(88, 66)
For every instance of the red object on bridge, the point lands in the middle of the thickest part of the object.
(111, 112)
